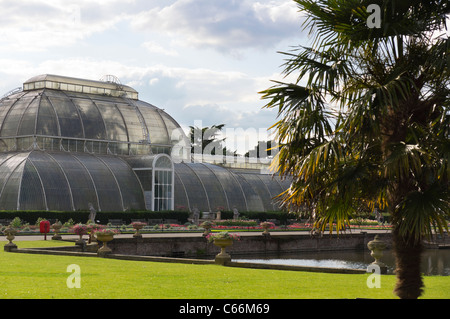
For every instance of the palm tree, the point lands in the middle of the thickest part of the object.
(366, 122)
(205, 140)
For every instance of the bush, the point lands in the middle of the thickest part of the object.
(75, 217)
(16, 222)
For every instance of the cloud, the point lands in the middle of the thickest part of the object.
(194, 93)
(35, 26)
(154, 47)
(223, 24)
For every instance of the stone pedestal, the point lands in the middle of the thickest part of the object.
(377, 246)
(10, 235)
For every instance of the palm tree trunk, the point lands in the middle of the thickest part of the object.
(408, 256)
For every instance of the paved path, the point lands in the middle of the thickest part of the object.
(188, 234)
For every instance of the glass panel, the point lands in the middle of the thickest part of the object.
(193, 186)
(273, 186)
(94, 128)
(28, 122)
(231, 187)
(47, 123)
(10, 193)
(11, 167)
(56, 187)
(115, 127)
(130, 188)
(145, 177)
(81, 185)
(5, 105)
(13, 118)
(31, 192)
(24, 143)
(216, 194)
(181, 201)
(105, 184)
(157, 129)
(134, 127)
(255, 202)
(69, 120)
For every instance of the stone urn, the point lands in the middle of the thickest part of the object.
(104, 238)
(80, 230)
(223, 256)
(138, 226)
(207, 227)
(57, 227)
(10, 235)
(266, 226)
(377, 246)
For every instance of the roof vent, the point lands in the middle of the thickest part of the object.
(111, 79)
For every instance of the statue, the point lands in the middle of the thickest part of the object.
(235, 213)
(196, 215)
(92, 213)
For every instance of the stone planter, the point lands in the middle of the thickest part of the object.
(223, 256)
(104, 238)
(138, 227)
(207, 227)
(10, 235)
(266, 229)
(57, 227)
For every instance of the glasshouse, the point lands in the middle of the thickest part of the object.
(68, 144)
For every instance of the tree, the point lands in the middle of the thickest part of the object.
(366, 122)
(263, 149)
(205, 141)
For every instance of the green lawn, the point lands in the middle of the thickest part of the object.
(45, 276)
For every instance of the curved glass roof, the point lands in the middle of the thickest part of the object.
(64, 182)
(45, 111)
(210, 187)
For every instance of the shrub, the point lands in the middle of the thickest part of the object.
(16, 222)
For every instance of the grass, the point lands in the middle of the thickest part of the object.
(44, 277)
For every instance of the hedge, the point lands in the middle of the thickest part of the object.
(82, 216)
(31, 216)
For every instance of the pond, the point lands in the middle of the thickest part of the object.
(434, 261)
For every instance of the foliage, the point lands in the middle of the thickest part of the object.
(205, 140)
(370, 126)
(31, 216)
(222, 235)
(80, 229)
(106, 231)
(231, 222)
(267, 224)
(367, 121)
(16, 222)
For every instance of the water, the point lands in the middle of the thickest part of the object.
(434, 261)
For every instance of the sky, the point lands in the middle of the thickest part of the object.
(202, 61)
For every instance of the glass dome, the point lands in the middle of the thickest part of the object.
(60, 113)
